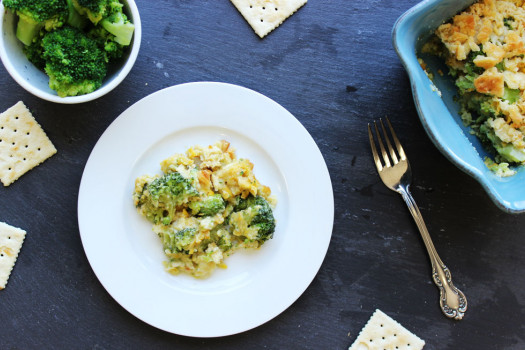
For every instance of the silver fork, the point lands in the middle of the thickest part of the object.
(396, 175)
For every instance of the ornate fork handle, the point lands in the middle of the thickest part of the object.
(452, 301)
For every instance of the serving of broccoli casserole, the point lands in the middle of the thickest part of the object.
(206, 205)
(484, 49)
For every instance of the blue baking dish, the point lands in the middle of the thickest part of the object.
(438, 112)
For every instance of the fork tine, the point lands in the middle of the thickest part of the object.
(400, 149)
(379, 166)
(383, 151)
(389, 145)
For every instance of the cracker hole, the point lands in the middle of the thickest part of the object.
(251, 6)
(14, 130)
(26, 146)
(24, 159)
(370, 340)
(1, 254)
(264, 8)
(262, 20)
(276, 9)
(38, 149)
(13, 143)
(27, 133)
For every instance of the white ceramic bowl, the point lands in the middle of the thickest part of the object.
(37, 82)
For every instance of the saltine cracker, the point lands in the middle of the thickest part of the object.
(23, 143)
(11, 239)
(383, 332)
(266, 15)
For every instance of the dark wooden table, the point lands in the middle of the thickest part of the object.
(331, 65)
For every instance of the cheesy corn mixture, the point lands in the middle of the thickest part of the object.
(206, 205)
(484, 48)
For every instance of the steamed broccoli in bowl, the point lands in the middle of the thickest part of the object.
(73, 46)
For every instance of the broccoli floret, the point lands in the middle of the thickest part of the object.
(481, 104)
(224, 242)
(208, 206)
(75, 64)
(106, 40)
(35, 53)
(242, 203)
(96, 10)
(257, 214)
(465, 83)
(178, 241)
(33, 16)
(264, 219)
(470, 67)
(74, 18)
(509, 22)
(108, 13)
(119, 25)
(219, 236)
(159, 199)
(511, 95)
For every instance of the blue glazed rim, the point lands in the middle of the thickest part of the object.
(437, 110)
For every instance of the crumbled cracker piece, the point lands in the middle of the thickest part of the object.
(266, 15)
(11, 239)
(23, 143)
(382, 332)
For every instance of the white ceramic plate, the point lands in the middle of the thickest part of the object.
(127, 256)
